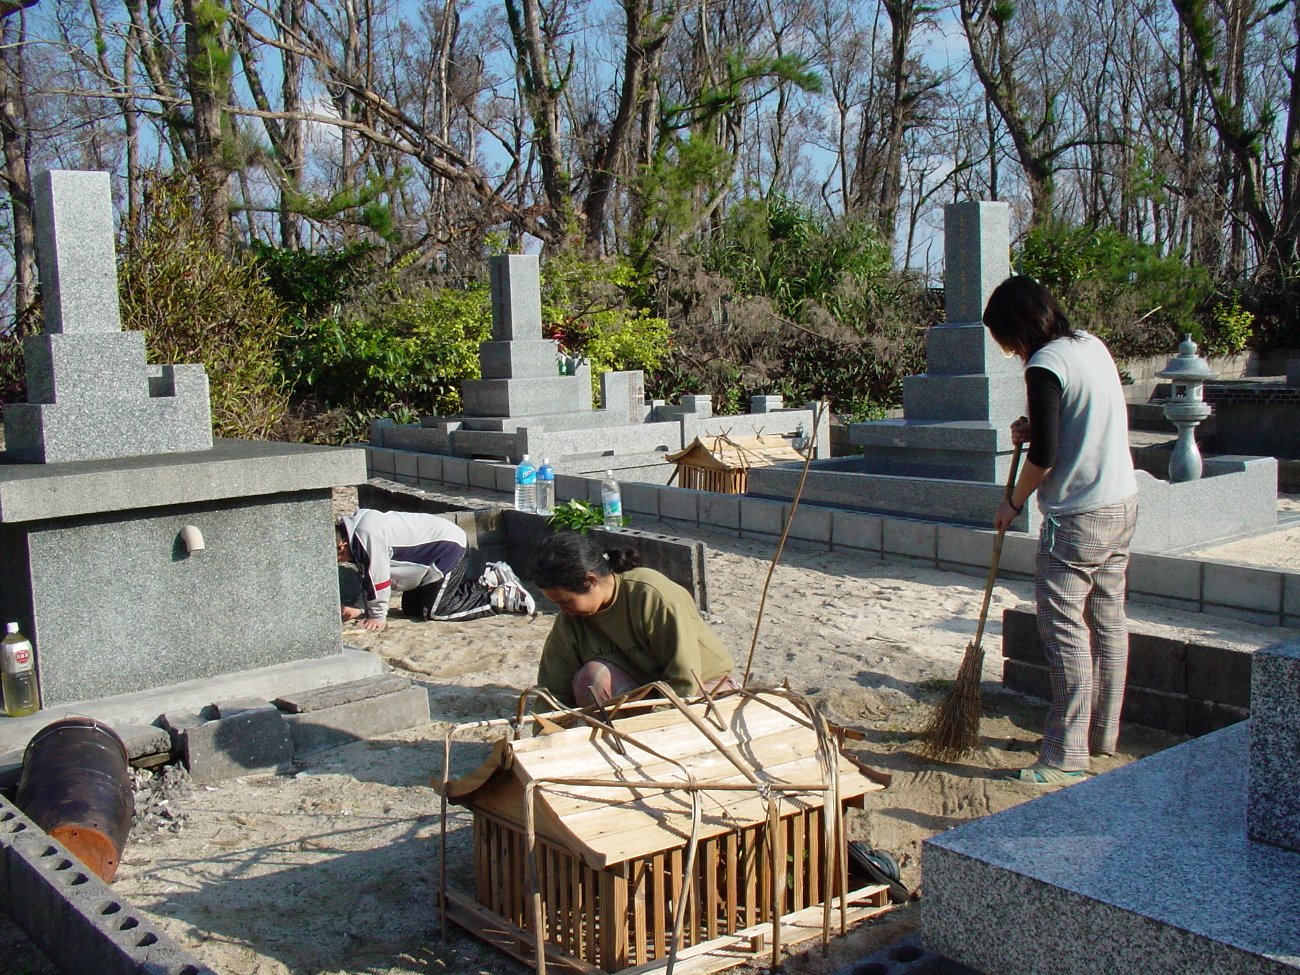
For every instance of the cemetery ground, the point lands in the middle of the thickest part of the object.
(334, 869)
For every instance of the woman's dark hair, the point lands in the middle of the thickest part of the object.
(565, 558)
(1022, 315)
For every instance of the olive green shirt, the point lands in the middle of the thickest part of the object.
(651, 631)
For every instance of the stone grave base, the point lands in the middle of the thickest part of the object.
(1144, 869)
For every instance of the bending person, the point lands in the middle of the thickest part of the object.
(423, 558)
(620, 626)
(1079, 463)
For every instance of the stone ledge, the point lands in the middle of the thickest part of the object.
(231, 469)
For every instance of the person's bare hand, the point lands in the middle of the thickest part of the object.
(1020, 431)
(373, 624)
(1004, 515)
(351, 613)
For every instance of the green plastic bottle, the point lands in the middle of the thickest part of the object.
(18, 674)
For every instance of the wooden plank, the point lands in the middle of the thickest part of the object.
(733, 882)
(659, 905)
(676, 888)
(732, 950)
(510, 939)
(709, 861)
(590, 910)
(798, 861)
(482, 864)
(749, 871)
(640, 881)
(814, 826)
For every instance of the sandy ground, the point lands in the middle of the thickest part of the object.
(334, 869)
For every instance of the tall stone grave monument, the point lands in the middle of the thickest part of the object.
(135, 550)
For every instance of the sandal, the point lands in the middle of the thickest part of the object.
(1040, 774)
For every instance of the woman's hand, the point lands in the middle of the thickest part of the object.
(1004, 515)
(1020, 431)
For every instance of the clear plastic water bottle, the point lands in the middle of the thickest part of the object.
(18, 674)
(525, 486)
(545, 488)
(612, 501)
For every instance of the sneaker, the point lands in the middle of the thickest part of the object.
(511, 597)
(498, 574)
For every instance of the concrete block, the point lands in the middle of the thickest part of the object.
(1219, 674)
(1291, 598)
(1156, 662)
(143, 740)
(680, 504)
(455, 470)
(760, 517)
(250, 743)
(317, 698)
(970, 397)
(505, 477)
(1273, 809)
(405, 466)
(640, 499)
(380, 461)
(1020, 639)
(1164, 575)
(856, 531)
(1242, 587)
(1204, 717)
(1019, 555)
(428, 467)
(521, 397)
(71, 915)
(812, 523)
(1027, 678)
(1256, 617)
(329, 727)
(912, 539)
(483, 476)
(955, 349)
(719, 510)
(568, 487)
(1152, 709)
(964, 547)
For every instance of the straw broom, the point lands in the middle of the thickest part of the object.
(954, 726)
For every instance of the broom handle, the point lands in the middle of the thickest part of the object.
(997, 552)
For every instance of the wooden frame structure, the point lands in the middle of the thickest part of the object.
(722, 464)
(692, 838)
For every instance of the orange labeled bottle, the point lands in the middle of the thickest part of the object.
(18, 674)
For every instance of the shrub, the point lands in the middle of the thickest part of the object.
(194, 304)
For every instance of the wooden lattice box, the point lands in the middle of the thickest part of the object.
(611, 859)
(722, 464)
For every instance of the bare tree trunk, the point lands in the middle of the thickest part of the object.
(292, 150)
(542, 92)
(208, 79)
(15, 141)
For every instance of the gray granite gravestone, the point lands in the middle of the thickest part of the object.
(948, 458)
(112, 468)
(91, 396)
(1156, 867)
(531, 400)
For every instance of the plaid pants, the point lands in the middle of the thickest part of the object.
(1079, 589)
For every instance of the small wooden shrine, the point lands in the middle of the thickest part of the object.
(712, 832)
(722, 463)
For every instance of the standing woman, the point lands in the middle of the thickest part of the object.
(620, 626)
(1079, 463)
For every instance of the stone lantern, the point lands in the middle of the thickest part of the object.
(1187, 373)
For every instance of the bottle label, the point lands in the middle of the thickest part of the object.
(614, 506)
(22, 657)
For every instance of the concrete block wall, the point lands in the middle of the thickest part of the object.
(1263, 596)
(1185, 686)
(74, 917)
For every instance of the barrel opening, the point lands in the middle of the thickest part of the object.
(17, 827)
(64, 864)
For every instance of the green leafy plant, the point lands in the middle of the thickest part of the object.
(575, 515)
(1231, 327)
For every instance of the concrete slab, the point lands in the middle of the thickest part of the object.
(231, 469)
(255, 742)
(330, 727)
(143, 707)
(1144, 869)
